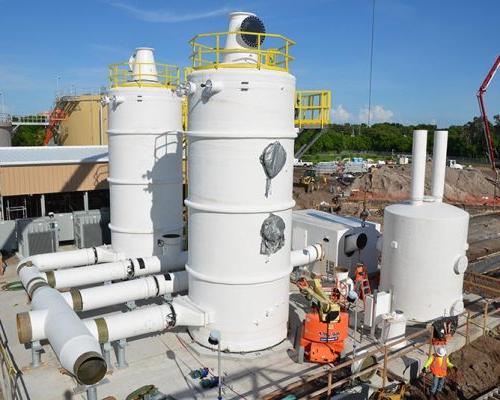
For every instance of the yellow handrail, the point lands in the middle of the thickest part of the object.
(207, 50)
(312, 108)
(144, 74)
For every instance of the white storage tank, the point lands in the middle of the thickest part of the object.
(5, 130)
(424, 243)
(145, 154)
(240, 148)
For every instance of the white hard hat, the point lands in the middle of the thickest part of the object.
(441, 351)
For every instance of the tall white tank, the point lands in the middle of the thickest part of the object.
(145, 156)
(5, 130)
(424, 245)
(240, 218)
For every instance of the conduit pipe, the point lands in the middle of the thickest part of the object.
(307, 255)
(418, 166)
(74, 258)
(439, 164)
(113, 327)
(77, 350)
(121, 292)
(126, 269)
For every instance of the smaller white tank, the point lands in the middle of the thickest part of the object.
(424, 245)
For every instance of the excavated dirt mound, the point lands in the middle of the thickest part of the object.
(478, 371)
(470, 186)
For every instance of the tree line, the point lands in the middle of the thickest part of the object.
(463, 140)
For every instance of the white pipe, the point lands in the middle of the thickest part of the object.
(307, 255)
(439, 164)
(418, 166)
(117, 293)
(126, 269)
(108, 328)
(73, 258)
(77, 350)
(353, 242)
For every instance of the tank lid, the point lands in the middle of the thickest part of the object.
(426, 210)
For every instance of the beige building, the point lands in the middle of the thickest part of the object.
(84, 121)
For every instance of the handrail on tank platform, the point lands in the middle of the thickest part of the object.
(208, 51)
(140, 75)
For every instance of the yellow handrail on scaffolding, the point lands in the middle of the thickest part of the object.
(141, 75)
(312, 108)
(209, 50)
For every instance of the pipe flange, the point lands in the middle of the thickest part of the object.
(24, 329)
(130, 270)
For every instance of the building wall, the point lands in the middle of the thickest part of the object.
(52, 178)
(87, 122)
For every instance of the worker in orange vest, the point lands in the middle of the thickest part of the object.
(439, 364)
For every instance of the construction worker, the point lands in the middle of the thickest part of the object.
(438, 364)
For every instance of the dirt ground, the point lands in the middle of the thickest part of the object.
(477, 372)
(392, 183)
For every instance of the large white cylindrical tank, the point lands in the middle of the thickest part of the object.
(145, 174)
(423, 258)
(234, 115)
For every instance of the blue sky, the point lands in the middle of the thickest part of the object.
(430, 55)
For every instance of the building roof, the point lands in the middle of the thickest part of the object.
(52, 155)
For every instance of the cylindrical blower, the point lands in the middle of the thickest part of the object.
(145, 156)
(240, 146)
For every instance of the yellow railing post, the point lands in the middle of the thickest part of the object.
(217, 49)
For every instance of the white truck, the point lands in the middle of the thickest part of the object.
(297, 162)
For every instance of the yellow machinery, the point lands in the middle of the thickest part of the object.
(310, 180)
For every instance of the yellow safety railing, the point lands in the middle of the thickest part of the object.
(312, 108)
(209, 51)
(144, 74)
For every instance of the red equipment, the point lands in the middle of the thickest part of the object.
(487, 134)
(322, 341)
(325, 327)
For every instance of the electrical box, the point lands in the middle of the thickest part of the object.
(37, 236)
(346, 241)
(91, 228)
(382, 306)
(65, 223)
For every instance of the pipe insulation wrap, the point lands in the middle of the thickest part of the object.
(307, 255)
(439, 164)
(418, 165)
(73, 258)
(77, 350)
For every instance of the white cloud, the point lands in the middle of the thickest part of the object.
(377, 114)
(340, 114)
(166, 16)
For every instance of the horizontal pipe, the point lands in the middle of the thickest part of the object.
(126, 269)
(151, 319)
(77, 350)
(72, 258)
(307, 255)
(121, 292)
(354, 242)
